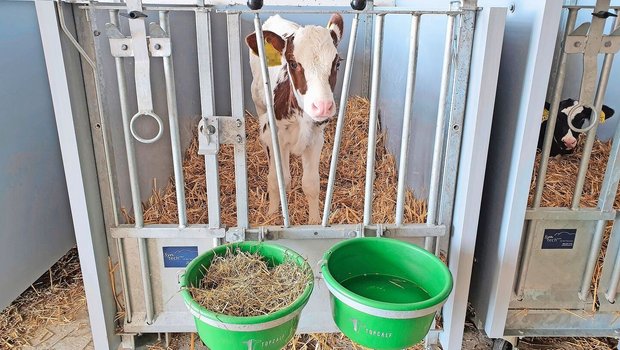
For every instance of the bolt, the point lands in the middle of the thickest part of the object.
(124, 47)
(96, 33)
(157, 46)
(577, 44)
(239, 123)
(98, 126)
(316, 233)
(456, 127)
(210, 129)
(239, 139)
(352, 234)
(608, 44)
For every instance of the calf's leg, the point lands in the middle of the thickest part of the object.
(310, 181)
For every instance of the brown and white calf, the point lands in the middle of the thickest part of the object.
(303, 98)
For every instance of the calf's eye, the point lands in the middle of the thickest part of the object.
(293, 65)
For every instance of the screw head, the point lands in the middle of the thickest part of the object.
(577, 44)
(157, 46)
(352, 234)
(96, 33)
(210, 129)
(239, 123)
(124, 47)
(607, 44)
(239, 139)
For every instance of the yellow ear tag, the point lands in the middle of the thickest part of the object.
(545, 115)
(273, 55)
(601, 117)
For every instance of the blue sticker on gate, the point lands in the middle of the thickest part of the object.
(559, 238)
(179, 256)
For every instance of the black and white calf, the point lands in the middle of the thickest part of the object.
(302, 82)
(564, 139)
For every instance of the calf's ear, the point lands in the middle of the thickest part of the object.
(336, 27)
(609, 112)
(273, 42)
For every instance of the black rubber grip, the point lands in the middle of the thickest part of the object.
(358, 5)
(255, 4)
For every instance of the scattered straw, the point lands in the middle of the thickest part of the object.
(243, 284)
(348, 202)
(55, 298)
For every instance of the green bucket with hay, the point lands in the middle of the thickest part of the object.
(270, 331)
(384, 292)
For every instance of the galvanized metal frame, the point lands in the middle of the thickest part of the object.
(213, 229)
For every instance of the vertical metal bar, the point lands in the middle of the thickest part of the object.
(373, 118)
(275, 142)
(367, 46)
(173, 119)
(404, 140)
(207, 108)
(553, 112)
(236, 93)
(433, 194)
(340, 121)
(610, 182)
(120, 244)
(135, 188)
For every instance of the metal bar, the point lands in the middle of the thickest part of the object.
(553, 112)
(207, 108)
(373, 118)
(377, 11)
(275, 142)
(120, 244)
(406, 133)
(167, 231)
(340, 120)
(569, 214)
(433, 194)
(173, 119)
(612, 288)
(236, 93)
(604, 199)
(587, 95)
(134, 184)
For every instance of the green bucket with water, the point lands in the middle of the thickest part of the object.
(223, 332)
(384, 292)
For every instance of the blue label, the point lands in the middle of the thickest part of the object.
(179, 256)
(559, 238)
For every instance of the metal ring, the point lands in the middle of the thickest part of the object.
(593, 116)
(160, 125)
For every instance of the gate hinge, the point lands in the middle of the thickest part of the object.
(121, 46)
(219, 130)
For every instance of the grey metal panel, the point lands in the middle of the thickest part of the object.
(522, 322)
(525, 68)
(32, 176)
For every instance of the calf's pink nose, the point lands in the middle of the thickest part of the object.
(570, 142)
(322, 108)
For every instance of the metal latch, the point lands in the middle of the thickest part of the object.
(219, 130)
(208, 136)
(235, 234)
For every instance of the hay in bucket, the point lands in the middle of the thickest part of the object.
(243, 284)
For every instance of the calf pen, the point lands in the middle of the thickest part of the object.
(99, 118)
(559, 271)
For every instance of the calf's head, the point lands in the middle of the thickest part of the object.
(563, 135)
(310, 61)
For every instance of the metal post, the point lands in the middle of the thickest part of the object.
(236, 93)
(120, 244)
(553, 111)
(433, 195)
(404, 140)
(173, 119)
(277, 155)
(135, 186)
(207, 108)
(340, 121)
(609, 187)
(373, 118)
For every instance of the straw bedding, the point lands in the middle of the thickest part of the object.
(348, 202)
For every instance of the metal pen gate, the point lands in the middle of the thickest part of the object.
(151, 304)
(552, 293)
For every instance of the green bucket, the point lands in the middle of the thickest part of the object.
(384, 292)
(223, 332)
